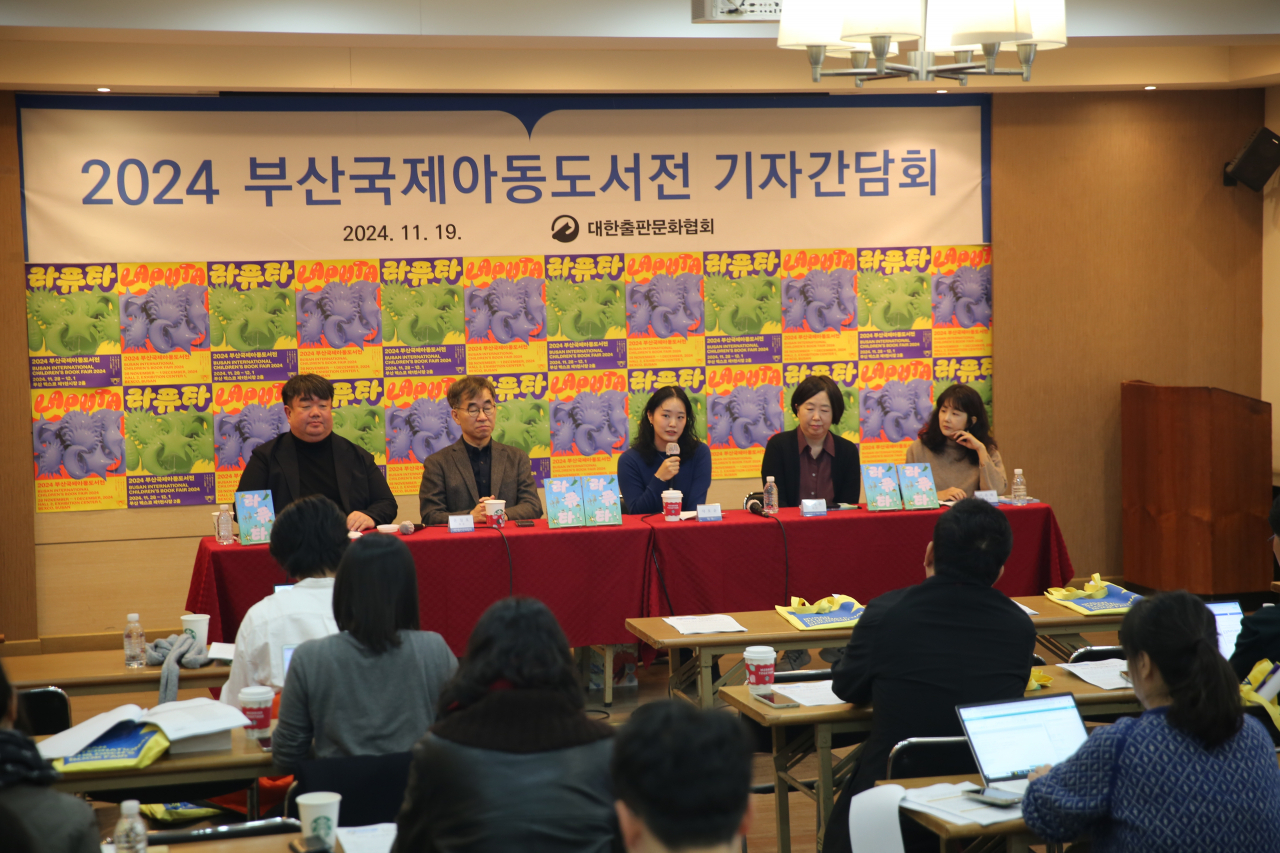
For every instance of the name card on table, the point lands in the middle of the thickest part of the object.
(708, 512)
(988, 495)
(461, 524)
(813, 506)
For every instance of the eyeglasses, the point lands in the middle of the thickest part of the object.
(474, 411)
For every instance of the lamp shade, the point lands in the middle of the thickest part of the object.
(938, 26)
(1048, 25)
(901, 20)
(809, 23)
(985, 21)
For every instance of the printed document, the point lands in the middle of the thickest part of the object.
(712, 624)
(1101, 673)
(809, 693)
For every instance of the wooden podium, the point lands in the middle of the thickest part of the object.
(1196, 474)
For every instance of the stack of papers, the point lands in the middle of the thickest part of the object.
(375, 838)
(809, 693)
(222, 651)
(949, 803)
(178, 720)
(1107, 674)
(712, 624)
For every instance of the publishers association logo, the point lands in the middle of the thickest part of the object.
(564, 229)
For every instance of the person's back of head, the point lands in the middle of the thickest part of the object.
(1179, 636)
(682, 777)
(516, 643)
(309, 537)
(971, 541)
(376, 593)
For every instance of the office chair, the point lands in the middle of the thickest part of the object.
(916, 757)
(372, 786)
(1087, 654)
(44, 711)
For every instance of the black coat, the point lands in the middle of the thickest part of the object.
(274, 466)
(1259, 638)
(782, 462)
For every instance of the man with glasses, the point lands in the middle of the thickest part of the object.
(474, 469)
(310, 459)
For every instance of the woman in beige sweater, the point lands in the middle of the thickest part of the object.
(959, 447)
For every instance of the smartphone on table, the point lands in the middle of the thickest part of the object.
(994, 797)
(776, 700)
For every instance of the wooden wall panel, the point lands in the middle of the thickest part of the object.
(17, 492)
(1118, 255)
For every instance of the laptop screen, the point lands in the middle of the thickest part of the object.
(287, 651)
(1228, 615)
(1010, 739)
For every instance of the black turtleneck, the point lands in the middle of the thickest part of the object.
(316, 472)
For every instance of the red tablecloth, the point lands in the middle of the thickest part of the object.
(739, 563)
(595, 578)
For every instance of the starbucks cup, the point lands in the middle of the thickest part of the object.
(497, 512)
(672, 500)
(318, 812)
(256, 703)
(197, 626)
(760, 661)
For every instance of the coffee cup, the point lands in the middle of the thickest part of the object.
(760, 661)
(497, 512)
(255, 702)
(196, 625)
(318, 812)
(672, 501)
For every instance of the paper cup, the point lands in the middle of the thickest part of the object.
(760, 661)
(318, 812)
(255, 702)
(672, 501)
(197, 625)
(497, 511)
(388, 528)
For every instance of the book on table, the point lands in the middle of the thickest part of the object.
(880, 482)
(565, 504)
(256, 514)
(192, 718)
(916, 482)
(601, 500)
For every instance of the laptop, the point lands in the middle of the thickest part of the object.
(1228, 616)
(1012, 737)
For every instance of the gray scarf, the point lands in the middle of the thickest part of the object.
(177, 650)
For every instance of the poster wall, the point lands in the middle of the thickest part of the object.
(581, 257)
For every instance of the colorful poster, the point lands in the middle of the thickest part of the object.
(79, 450)
(164, 323)
(844, 374)
(642, 384)
(169, 455)
(253, 328)
(819, 305)
(506, 314)
(425, 330)
(588, 421)
(245, 415)
(665, 312)
(961, 282)
(742, 294)
(524, 418)
(358, 415)
(419, 423)
(339, 318)
(73, 325)
(744, 410)
(895, 314)
(896, 400)
(586, 313)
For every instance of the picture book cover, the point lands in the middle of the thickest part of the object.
(916, 480)
(564, 502)
(256, 513)
(602, 500)
(880, 481)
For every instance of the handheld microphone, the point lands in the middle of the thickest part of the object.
(754, 506)
(673, 449)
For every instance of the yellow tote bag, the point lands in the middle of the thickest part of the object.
(1250, 697)
(1097, 597)
(126, 746)
(834, 611)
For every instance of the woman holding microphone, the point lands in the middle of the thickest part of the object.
(650, 467)
(958, 445)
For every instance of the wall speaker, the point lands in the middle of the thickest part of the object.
(1256, 162)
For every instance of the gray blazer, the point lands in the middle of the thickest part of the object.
(449, 487)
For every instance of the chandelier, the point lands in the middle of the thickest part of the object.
(868, 32)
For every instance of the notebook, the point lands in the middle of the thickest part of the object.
(1010, 738)
(1228, 615)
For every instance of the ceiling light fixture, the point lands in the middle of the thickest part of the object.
(103, 89)
(868, 32)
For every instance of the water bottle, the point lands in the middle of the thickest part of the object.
(225, 536)
(131, 832)
(770, 496)
(135, 643)
(1019, 487)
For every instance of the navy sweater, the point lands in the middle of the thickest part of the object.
(643, 492)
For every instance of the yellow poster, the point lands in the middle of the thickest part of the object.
(339, 318)
(79, 448)
(164, 323)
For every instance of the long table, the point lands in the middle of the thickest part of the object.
(94, 673)
(595, 578)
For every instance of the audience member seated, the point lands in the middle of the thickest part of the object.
(683, 780)
(918, 652)
(1192, 773)
(373, 688)
(1260, 631)
(959, 447)
(645, 471)
(811, 461)
(514, 763)
(308, 540)
(53, 822)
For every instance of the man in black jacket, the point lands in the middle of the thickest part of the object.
(310, 460)
(919, 652)
(1260, 631)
